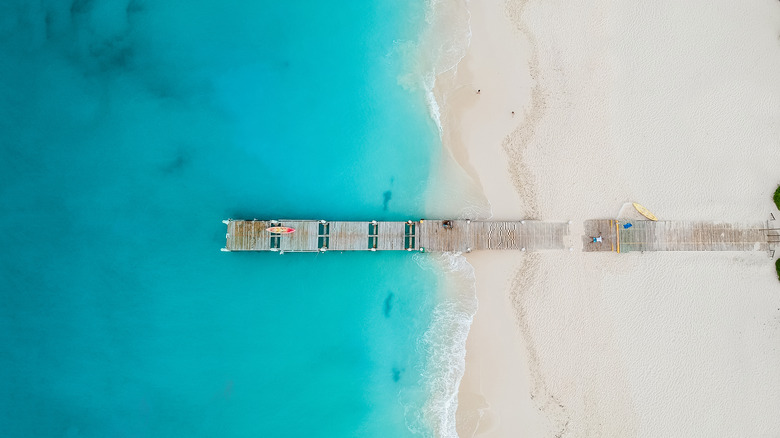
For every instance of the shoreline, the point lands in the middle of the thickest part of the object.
(482, 101)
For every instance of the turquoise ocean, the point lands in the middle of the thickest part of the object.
(129, 130)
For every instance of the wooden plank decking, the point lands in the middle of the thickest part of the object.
(248, 235)
(466, 236)
(675, 236)
(390, 236)
(303, 239)
(348, 236)
(424, 235)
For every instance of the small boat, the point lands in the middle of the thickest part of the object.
(280, 230)
(645, 212)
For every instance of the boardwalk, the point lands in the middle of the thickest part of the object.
(675, 236)
(467, 236)
(423, 235)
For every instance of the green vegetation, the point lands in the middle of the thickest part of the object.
(777, 266)
(777, 197)
(777, 203)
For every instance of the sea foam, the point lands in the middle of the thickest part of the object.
(440, 48)
(444, 345)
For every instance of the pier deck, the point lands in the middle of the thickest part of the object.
(467, 236)
(427, 235)
(675, 236)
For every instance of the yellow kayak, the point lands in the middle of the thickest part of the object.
(645, 212)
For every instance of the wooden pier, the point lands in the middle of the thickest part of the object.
(467, 235)
(422, 235)
(675, 236)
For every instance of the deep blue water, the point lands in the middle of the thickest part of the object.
(130, 129)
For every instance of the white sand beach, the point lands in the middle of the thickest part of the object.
(672, 104)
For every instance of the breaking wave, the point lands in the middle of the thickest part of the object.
(441, 46)
(444, 345)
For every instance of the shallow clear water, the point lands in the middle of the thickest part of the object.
(130, 130)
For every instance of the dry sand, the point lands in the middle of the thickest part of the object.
(672, 104)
